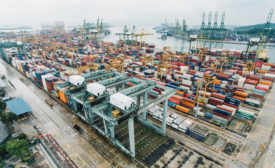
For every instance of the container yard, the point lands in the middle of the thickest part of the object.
(130, 103)
(130, 96)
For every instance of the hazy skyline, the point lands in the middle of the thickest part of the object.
(130, 12)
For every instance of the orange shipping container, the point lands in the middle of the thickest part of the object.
(63, 97)
(183, 109)
(188, 100)
(240, 98)
(265, 83)
(180, 92)
(241, 94)
(262, 71)
(188, 105)
(217, 82)
(268, 64)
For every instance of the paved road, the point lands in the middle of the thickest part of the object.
(51, 121)
(266, 123)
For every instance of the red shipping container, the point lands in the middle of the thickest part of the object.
(268, 79)
(258, 96)
(215, 101)
(252, 82)
(219, 96)
(231, 105)
(157, 90)
(220, 115)
(176, 97)
(254, 77)
(174, 101)
(188, 100)
(260, 88)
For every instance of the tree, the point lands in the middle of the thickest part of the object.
(3, 105)
(22, 136)
(18, 148)
(11, 117)
(3, 151)
(8, 118)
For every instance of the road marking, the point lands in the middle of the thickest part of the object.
(67, 147)
(56, 135)
(78, 160)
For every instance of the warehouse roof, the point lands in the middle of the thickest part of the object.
(18, 106)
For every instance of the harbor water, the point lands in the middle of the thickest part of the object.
(177, 44)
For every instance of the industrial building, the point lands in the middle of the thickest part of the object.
(18, 106)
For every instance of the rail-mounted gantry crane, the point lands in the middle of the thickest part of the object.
(90, 97)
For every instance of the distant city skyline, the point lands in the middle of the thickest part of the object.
(127, 12)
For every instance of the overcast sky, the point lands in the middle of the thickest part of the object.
(131, 12)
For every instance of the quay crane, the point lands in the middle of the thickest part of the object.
(141, 35)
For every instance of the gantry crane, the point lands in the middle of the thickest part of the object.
(220, 63)
(183, 58)
(141, 35)
(162, 65)
(207, 80)
(92, 66)
(250, 66)
(259, 41)
(267, 26)
(116, 63)
(147, 59)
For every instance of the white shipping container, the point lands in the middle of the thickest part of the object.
(43, 77)
(241, 82)
(174, 115)
(266, 67)
(184, 87)
(248, 86)
(182, 128)
(253, 101)
(188, 123)
(187, 82)
(200, 74)
(96, 89)
(178, 120)
(201, 113)
(263, 86)
(230, 108)
(176, 126)
(190, 92)
(269, 75)
(187, 76)
(121, 101)
(169, 120)
(76, 80)
(210, 106)
(184, 69)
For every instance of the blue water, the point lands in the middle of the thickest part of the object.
(182, 45)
